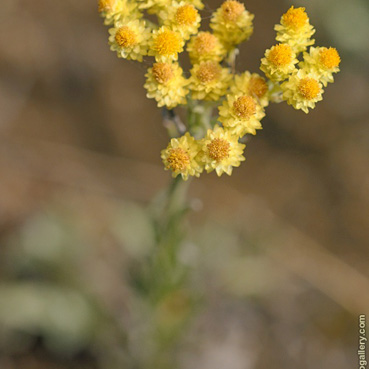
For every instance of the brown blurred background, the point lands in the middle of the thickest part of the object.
(278, 251)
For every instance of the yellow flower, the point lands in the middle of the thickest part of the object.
(181, 157)
(209, 81)
(322, 61)
(241, 114)
(221, 151)
(232, 23)
(205, 46)
(166, 44)
(182, 18)
(115, 10)
(302, 90)
(279, 62)
(130, 40)
(166, 84)
(295, 29)
(253, 85)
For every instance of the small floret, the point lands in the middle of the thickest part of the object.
(130, 40)
(241, 115)
(303, 90)
(180, 157)
(118, 10)
(308, 88)
(295, 18)
(329, 58)
(182, 18)
(205, 46)
(166, 44)
(209, 81)
(279, 62)
(232, 10)
(166, 84)
(221, 151)
(295, 30)
(232, 23)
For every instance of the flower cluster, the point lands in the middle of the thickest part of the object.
(216, 142)
(300, 82)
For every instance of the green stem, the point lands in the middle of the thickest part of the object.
(199, 117)
(169, 210)
(166, 277)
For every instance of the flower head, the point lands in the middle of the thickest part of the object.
(106, 5)
(209, 81)
(166, 84)
(232, 10)
(244, 107)
(279, 62)
(186, 14)
(295, 18)
(232, 23)
(126, 37)
(130, 40)
(329, 58)
(181, 17)
(180, 157)
(303, 90)
(166, 44)
(115, 10)
(205, 46)
(241, 114)
(221, 151)
(308, 88)
(295, 30)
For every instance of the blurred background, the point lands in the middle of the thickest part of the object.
(277, 253)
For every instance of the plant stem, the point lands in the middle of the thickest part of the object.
(173, 123)
(169, 211)
(199, 117)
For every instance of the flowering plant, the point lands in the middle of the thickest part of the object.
(295, 72)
